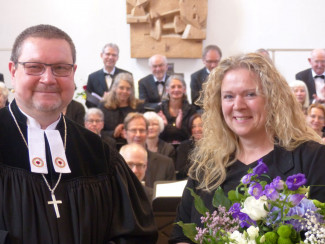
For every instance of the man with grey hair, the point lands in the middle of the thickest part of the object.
(94, 121)
(314, 76)
(211, 56)
(101, 80)
(152, 87)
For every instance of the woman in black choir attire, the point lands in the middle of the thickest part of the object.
(250, 113)
(153, 142)
(183, 162)
(175, 111)
(117, 103)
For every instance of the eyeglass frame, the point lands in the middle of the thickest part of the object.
(141, 131)
(44, 68)
(138, 166)
(97, 121)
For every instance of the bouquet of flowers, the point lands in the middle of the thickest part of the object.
(258, 212)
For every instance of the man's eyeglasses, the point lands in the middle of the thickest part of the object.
(94, 121)
(137, 165)
(134, 131)
(36, 68)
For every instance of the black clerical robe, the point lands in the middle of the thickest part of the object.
(102, 200)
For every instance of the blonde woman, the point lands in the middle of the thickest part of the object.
(300, 91)
(250, 113)
(117, 103)
(316, 118)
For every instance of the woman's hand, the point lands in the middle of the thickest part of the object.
(179, 119)
(161, 114)
(118, 131)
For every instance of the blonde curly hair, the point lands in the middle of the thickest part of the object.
(285, 121)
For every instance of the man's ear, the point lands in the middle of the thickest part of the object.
(309, 60)
(12, 70)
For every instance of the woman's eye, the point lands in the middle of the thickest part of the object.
(251, 94)
(227, 96)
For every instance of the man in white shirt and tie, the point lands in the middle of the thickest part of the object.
(152, 87)
(314, 76)
(101, 80)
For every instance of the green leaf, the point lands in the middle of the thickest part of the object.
(198, 203)
(291, 217)
(188, 230)
(235, 196)
(220, 198)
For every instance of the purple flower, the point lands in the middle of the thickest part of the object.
(295, 181)
(296, 199)
(277, 183)
(261, 168)
(247, 178)
(301, 209)
(255, 190)
(270, 192)
(245, 220)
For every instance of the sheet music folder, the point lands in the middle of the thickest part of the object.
(167, 196)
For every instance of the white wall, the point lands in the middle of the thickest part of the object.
(235, 25)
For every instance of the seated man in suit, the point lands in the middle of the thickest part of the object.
(211, 56)
(136, 158)
(101, 81)
(94, 121)
(314, 76)
(160, 167)
(152, 87)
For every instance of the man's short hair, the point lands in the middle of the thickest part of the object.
(135, 146)
(95, 111)
(134, 115)
(150, 60)
(112, 45)
(209, 48)
(40, 31)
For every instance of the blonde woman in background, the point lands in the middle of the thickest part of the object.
(117, 103)
(316, 118)
(4, 92)
(300, 91)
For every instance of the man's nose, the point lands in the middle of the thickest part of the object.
(47, 76)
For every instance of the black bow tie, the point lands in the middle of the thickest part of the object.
(160, 82)
(108, 75)
(319, 76)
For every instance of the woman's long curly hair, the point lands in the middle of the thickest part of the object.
(285, 120)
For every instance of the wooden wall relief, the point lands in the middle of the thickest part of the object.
(174, 28)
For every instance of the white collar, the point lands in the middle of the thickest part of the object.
(36, 147)
(110, 73)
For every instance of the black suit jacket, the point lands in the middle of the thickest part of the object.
(159, 167)
(148, 91)
(76, 112)
(97, 83)
(197, 80)
(307, 77)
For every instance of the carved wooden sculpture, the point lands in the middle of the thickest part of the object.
(174, 28)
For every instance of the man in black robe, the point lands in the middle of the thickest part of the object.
(59, 183)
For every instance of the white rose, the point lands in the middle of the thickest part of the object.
(252, 232)
(255, 208)
(238, 237)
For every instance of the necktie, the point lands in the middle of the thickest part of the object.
(160, 85)
(319, 76)
(109, 80)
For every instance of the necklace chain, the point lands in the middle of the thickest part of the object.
(24, 139)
